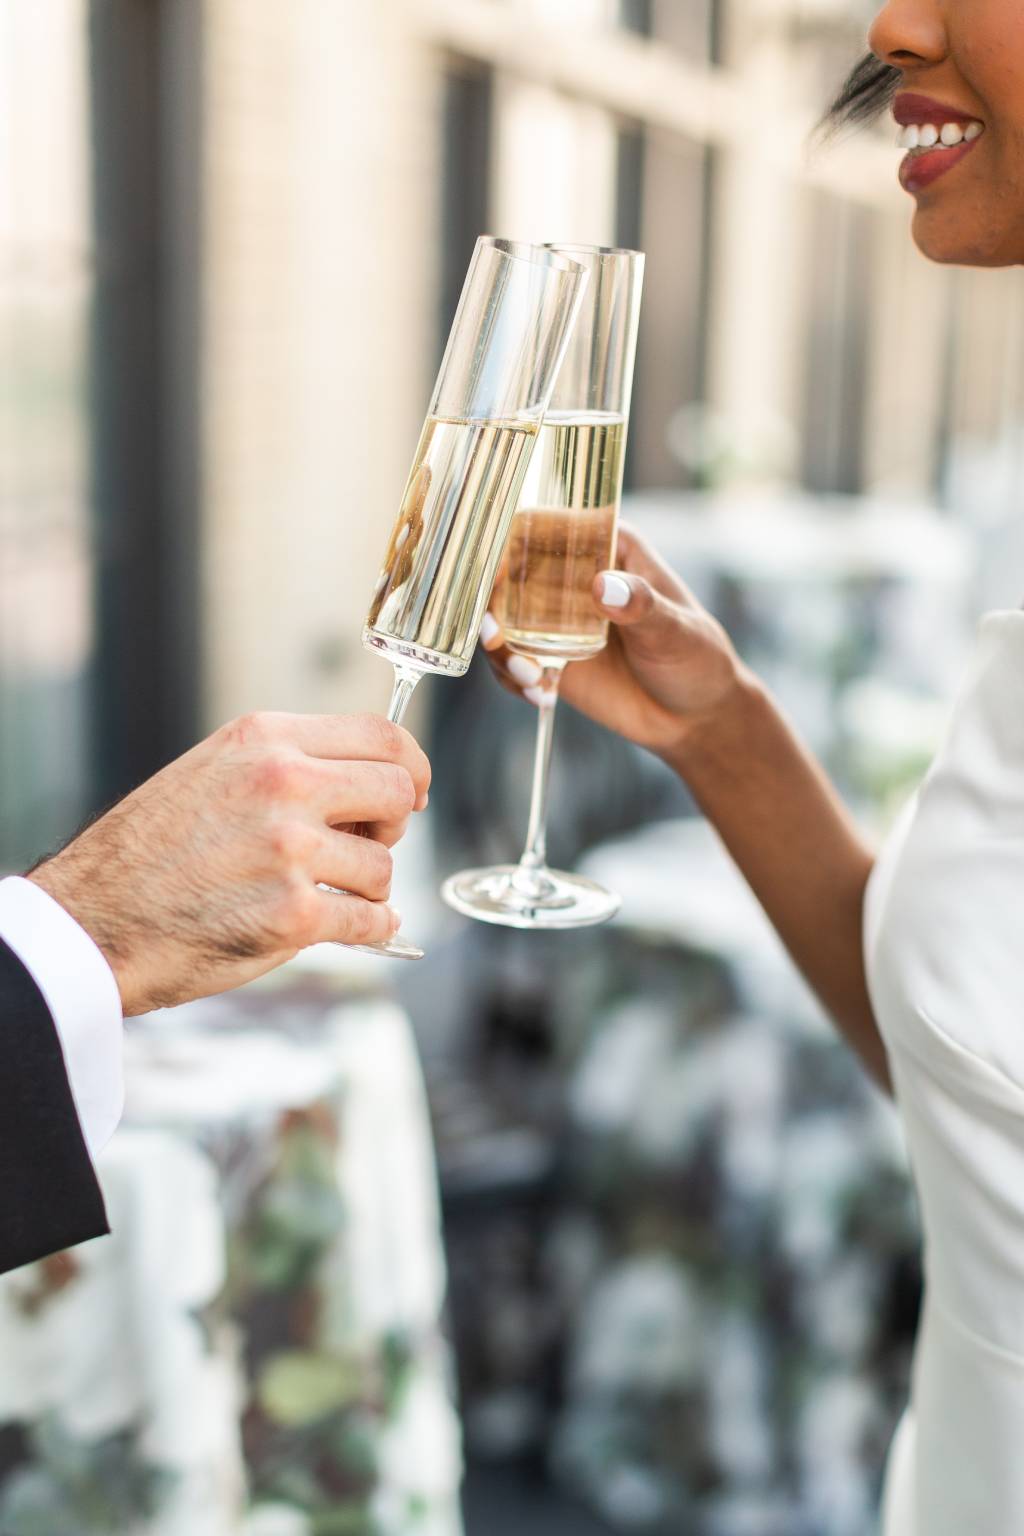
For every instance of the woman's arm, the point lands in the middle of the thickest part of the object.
(670, 680)
(797, 846)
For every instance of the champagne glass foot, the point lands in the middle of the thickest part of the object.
(395, 948)
(512, 897)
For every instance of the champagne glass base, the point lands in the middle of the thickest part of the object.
(395, 948)
(539, 899)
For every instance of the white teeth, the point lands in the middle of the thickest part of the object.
(927, 135)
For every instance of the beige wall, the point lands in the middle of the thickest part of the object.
(320, 253)
(322, 178)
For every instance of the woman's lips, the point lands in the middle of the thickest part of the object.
(948, 134)
(909, 107)
(921, 167)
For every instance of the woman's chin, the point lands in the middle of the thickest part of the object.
(962, 242)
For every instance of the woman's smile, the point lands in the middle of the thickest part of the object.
(937, 137)
(953, 71)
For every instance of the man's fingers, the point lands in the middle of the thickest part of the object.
(369, 738)
(355, 864)
(344, 919)
(387, 832)
(354, 738)
(362, 792)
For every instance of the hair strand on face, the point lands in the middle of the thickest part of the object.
(867, 92)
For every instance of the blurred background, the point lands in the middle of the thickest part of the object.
(602, 1234)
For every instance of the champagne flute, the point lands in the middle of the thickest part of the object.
(518, 306)
(562, 535)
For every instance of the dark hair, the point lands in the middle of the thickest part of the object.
(866, 93)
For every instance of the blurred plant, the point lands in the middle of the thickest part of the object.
(325, 1424)
(77, 1487)
(297, 1213)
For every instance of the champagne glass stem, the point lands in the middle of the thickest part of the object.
(406, 679)
(534, 857)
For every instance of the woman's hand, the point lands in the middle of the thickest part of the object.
(670, 680)
(667, 665)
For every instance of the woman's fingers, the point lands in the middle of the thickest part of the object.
(515, 672)
(520, 675)
(638, 557)
(490, 632)
(633, 605)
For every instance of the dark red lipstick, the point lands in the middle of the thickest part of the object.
(925, 163)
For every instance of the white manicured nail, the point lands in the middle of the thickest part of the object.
(526, 672)
(488, 629)
(397, 917)
(615, 592)
(539, 696)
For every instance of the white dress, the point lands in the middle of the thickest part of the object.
(944, 927)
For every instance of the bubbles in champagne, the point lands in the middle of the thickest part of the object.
(444, 550)
(562, 535)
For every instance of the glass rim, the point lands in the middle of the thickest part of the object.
(602, 252)
(544, 255)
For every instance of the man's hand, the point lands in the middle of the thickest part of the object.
(209, 874)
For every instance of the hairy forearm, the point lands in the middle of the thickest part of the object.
(796, 845)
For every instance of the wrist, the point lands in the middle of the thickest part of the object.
(717, 734)
(51, 877)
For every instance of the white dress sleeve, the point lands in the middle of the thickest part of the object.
(81, 994)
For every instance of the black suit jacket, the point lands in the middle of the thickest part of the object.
(49, 1195)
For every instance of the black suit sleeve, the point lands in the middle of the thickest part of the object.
(49, 1195)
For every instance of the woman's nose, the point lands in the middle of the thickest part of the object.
(909, 33)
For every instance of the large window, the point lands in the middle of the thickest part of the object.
(46, 547)
(97, 333)
(231, 241)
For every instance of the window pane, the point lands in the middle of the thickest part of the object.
(46, 627)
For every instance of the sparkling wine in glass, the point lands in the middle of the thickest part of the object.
(518, 307)
(562, 536)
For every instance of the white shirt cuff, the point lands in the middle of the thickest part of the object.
(79, 989)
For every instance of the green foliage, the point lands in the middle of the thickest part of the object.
(298, 1387)
(78, 1487)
